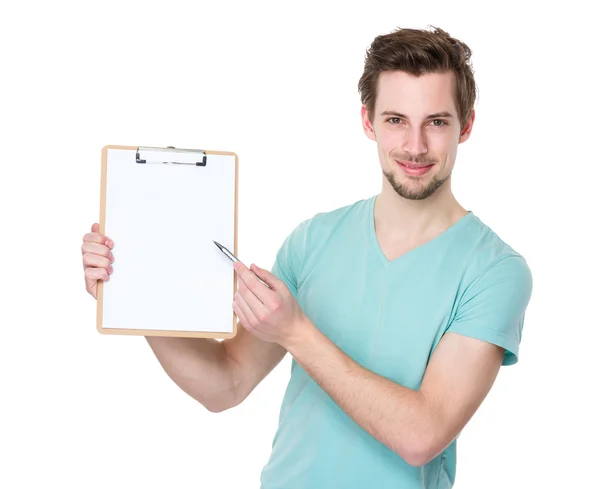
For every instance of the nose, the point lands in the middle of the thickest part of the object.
(415, 143)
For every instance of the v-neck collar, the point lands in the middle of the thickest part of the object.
(405, 256)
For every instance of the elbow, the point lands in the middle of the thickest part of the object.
(421, 450)
(219, 407)
(221, 401)
(425, 439)
(215, 409)
(418, 457)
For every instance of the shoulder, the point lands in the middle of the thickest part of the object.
(494, 272)
(495, 289)
(313, 233)
(317, 228)
(489, 254)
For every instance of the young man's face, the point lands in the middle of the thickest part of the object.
(416, 122)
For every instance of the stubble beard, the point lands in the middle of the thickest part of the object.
(415, 192)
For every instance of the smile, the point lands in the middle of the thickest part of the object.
(414, 170)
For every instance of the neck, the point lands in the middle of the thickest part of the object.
(412, 220)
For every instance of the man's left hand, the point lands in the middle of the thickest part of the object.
(270, 313)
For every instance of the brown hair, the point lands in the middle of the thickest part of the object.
(419, 52)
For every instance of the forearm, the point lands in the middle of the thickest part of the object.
(200, 367)
(395, 415)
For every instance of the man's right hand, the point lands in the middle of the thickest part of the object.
(97, 259)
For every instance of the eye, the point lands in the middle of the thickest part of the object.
(443, 123)
(393, 119)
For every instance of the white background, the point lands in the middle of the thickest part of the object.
(277, 83)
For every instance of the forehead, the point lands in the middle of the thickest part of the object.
(402, 92)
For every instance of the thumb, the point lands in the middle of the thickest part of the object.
(271, 280)
(95, 227)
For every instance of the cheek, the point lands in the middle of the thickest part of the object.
(447, 163)
(390, 139)
(439, 141)
(442, 149)
(389, 144)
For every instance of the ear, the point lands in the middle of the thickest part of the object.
(466, 132)
(366, 123)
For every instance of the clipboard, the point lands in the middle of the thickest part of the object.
(163, 207)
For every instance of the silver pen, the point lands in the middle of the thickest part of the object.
(234, 258)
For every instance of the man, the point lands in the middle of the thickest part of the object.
(398, 310)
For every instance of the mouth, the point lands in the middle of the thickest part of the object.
(414, 169)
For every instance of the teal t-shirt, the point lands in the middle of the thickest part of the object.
(388, 316)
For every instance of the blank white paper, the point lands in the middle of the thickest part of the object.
(163, 218)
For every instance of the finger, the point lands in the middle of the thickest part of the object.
(92, 275)
(257, 307)
(95, 227)
(243, 320)
(248, 314)
(92, 260)
(96, 237)
(271, 280)
(240, 315)
(98, 249)
(264, 294)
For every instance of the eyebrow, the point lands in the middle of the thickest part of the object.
(430, 116)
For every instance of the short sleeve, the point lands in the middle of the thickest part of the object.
(493, 308)
(289, 258)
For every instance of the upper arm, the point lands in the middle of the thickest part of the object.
(484, 335)
(459, 376)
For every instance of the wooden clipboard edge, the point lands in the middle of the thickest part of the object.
(100, 291)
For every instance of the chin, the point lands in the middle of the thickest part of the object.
(415, 188)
